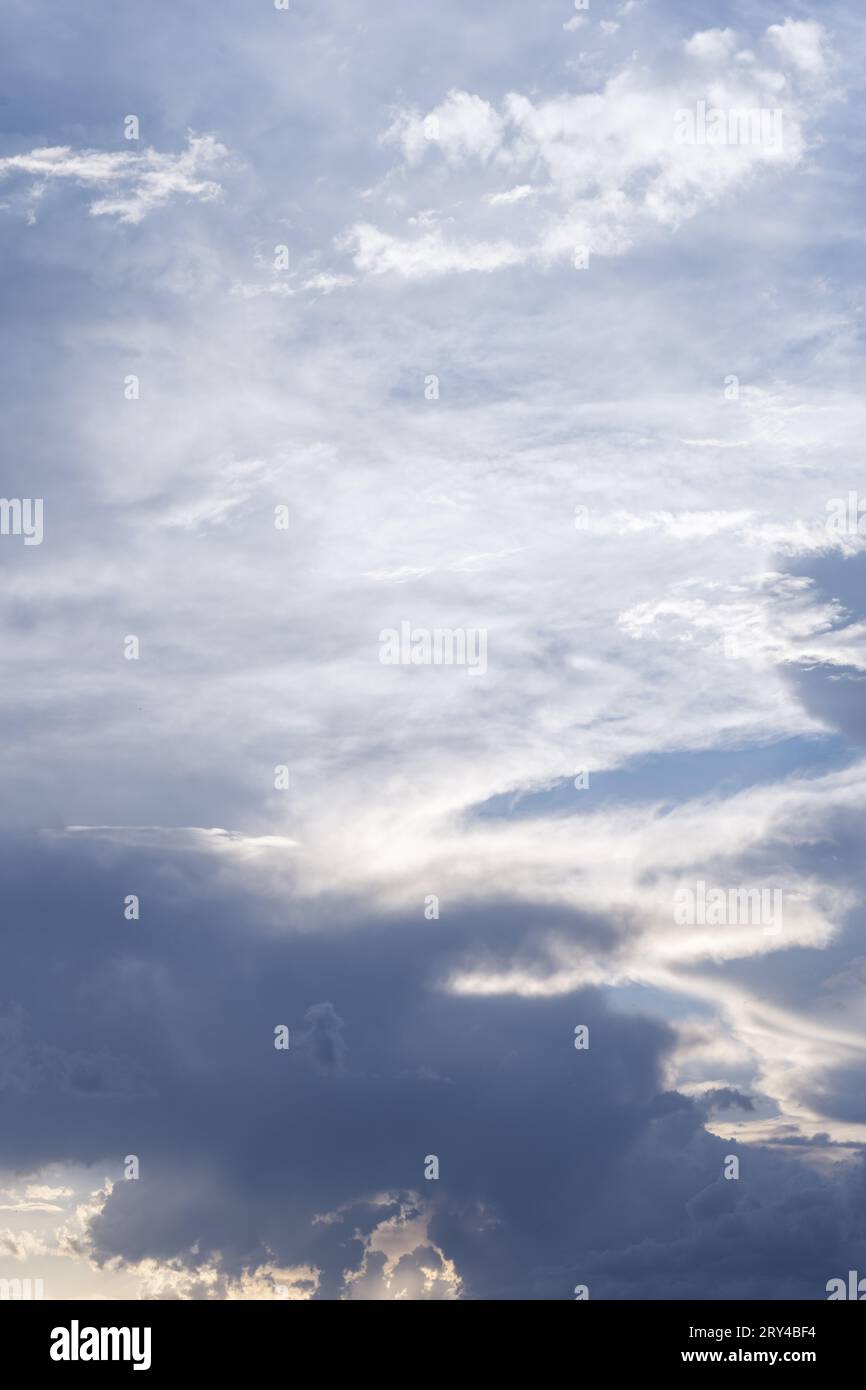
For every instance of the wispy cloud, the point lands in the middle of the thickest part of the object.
(130, 185)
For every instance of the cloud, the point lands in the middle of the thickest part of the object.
(131, 185)
(711, 45)
(377, 253)
(462, 126)
(801, 42)
(32, 1067)
(616, 166)
(621, 471)
(513, 195)
(324, 1036)
(397, 1068)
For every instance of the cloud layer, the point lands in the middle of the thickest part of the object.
(493, 343)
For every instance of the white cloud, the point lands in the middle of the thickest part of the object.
(326, 284)
(801, 42)
(253, 289)
(131, 185)
(711, 45)
(38, 1192)
(514, 195)
(407, 1271)
(619, 163)
(378, 253)
(462, 126)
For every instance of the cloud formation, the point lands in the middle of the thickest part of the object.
(333, 368)
(131, 185)
(606, 169)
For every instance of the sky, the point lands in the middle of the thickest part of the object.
(336, 337)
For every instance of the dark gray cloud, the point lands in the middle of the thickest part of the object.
(726, 1097)
(557, 1166)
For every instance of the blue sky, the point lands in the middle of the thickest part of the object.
(444, 284)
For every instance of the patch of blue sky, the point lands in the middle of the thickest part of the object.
(668, 779)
